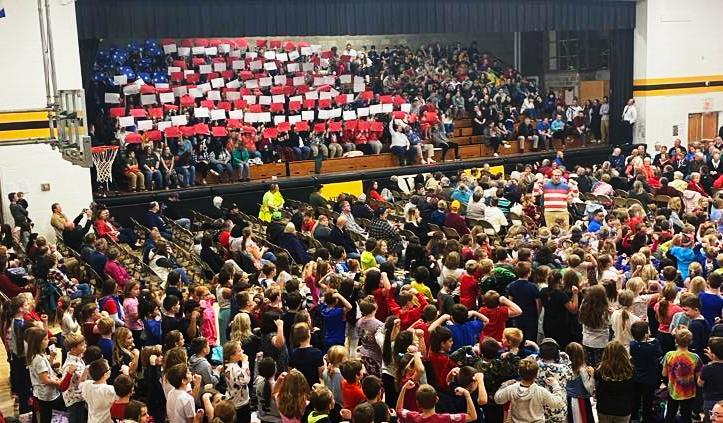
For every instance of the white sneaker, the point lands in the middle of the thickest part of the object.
(213, 172)
(496, 154)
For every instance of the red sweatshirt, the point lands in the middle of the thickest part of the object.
(409, 316)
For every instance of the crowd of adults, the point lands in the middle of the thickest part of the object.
(164, 143)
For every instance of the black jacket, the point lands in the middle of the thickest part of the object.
(343, 239)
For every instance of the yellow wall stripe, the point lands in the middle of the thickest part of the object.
(12, 117)
(677, 91)
(677, 80)
(22, 134)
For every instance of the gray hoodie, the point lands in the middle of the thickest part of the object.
(201, 366)
(527, 403)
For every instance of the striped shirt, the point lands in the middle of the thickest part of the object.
(555, 196)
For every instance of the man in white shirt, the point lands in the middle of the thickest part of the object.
(630, 116)
(495, 216)
(348, 51)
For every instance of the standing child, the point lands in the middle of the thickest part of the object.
(224, 313)
(105, 343)
(465, 325)
(426, 398)
(595, 318)
(42, 376)
(334, 318)
(131, 314)
(614, 384)
(698, 326)
(580, 388)
(332, 375)
(623, 318)
(646, 354)
(267, 411)
(405, 309)
(73, 368)
(208, 315)
(352, 372)
(198, 363)
(682, 369)
(180, 406)
(438, 357)
(307, 359)
(19, 376)
(152, 323)
(237, 379)
(527, 399)
(371, 335)
(125, 356)
(97, 393)
(291, 392)
(497, 309)
(469, 285)
(123, 387)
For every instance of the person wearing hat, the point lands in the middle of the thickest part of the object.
(271, 202)
(275, 227)
(318, 200)
(454, 220)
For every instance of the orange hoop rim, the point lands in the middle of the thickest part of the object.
(103, 148)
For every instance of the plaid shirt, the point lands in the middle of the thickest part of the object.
(64, 284)
(382, 229)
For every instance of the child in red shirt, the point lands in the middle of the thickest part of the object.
(469, 285)
(441, 344)
(351, 389)
(498, 309)
(426, 398)
(407, 312)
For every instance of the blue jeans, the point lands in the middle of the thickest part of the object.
(153, 175)
(184, 222)
(222, 168)
(302, 153)
(405, 154)
(78, 412)
(243, 170)
(187, 175)
(82, 291)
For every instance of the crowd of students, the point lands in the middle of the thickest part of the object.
(386, 305)
(428, 88)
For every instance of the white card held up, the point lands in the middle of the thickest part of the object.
(282, 57)
(219, 66)
(188, 72)
(315, 48)
(345, 79)
(334, 92)
(306, 51)
(224, 48)
(295, 118)
(145, 125)
(406, 107)
(324, 114)
(252, 54)
(200, 112)
(265, 100)
(218, 114)
(238, 64)
(235, 53)
(162, 125)
(375, 109)
(126, 121)
(120, 80)
(204, 69)
(292, 67)
(325, 95)
(148, 99)
(293, 55)
(211, 51)
(251, 83)
(184, 51)
(179, 91)
(270, 66)
(112, 98)
(349, 115)
(362, 111)
(140, 81)
(172, 69)
(250, 99)
(179, 120)
(195, 92)
(358, 79)
(251, 117)
(269, 55)
(198, 50)
(256, 65)
(266, 82)
(233, 84)
(280, 80)
(264, 117)
(312, 95)
(335, 113)
(279, 98)
(217, 82)
(350, 98)
(162, 86)
(236, 114)
(299, 80)
(169, 48)
(387, 108)
(278, 119)
(307, 115)
(131, 89)
(233, 95)
(298, 98)
(307, 67)
(318, 80)
(167, 97)
(330, 80)
(205, 87)
(214, 95)
(359, 88)
(324, 63)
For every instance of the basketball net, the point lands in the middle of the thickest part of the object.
(103, 161)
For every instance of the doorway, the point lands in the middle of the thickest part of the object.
(702, 126)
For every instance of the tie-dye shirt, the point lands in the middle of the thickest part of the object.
(682, 368)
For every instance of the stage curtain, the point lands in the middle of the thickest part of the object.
(134, 19)
(621, 79)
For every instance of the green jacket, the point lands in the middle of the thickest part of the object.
(238, 156)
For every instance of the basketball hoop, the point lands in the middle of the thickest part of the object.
(103, 157)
